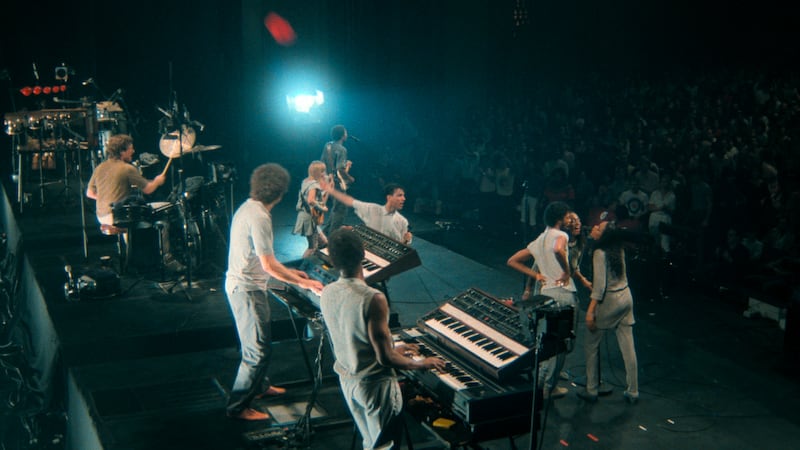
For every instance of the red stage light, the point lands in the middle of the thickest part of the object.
(37, 90)
(26, 91)
(63, 88)
(47, 89)
(280, 29)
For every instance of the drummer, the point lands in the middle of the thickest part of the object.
(114, 179)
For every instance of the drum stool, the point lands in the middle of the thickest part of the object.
(122, 251)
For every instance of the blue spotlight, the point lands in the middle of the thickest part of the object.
(304, 103)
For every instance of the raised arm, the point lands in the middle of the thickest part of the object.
(338, 195)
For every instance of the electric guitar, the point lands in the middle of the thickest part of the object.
(344, 178)
(317, 215)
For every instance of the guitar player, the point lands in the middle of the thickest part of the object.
(337, 166)
(311, 208)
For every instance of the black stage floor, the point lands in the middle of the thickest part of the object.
(150, 368)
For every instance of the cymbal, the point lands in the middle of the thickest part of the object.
(196, 149)
(109, 106)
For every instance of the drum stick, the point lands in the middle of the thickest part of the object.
(167, 166)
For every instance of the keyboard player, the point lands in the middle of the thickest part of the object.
(357, 318)
(384, 218)
(251, 264)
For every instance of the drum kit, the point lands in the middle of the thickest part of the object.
(195, 209)
(191, 226)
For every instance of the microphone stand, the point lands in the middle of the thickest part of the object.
(534, 425)
(534, 309)
(525, 213)
(81, 194)
(181, 201)
(184, 210)
(302, 429)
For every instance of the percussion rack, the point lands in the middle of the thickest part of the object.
(37, 137)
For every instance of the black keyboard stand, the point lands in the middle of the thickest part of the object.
(301, 433)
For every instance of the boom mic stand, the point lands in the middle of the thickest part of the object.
(184, 211)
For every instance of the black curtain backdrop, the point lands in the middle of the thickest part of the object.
(379, 61)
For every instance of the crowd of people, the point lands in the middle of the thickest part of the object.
(704, 163)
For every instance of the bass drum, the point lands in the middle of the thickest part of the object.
(175, 142)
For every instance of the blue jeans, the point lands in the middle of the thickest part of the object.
(252, 315)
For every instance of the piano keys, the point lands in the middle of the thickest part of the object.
(383, 256)
(487, 333)
(490, 409)
(483, 330)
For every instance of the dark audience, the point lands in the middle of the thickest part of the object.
(725, 141)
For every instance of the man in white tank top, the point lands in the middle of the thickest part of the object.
(357, 319)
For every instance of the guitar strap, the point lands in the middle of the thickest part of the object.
(302, 202)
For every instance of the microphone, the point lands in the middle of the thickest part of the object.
(195, 123)
(164, 112)
(353, 138)
(87, 81)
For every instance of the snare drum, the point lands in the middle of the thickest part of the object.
(132, 215)
(164, 211)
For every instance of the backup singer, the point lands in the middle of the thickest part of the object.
(577, 243)
(550, 252)
(611, 308)
(251, 263)
(113, 179)
(357, 318)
